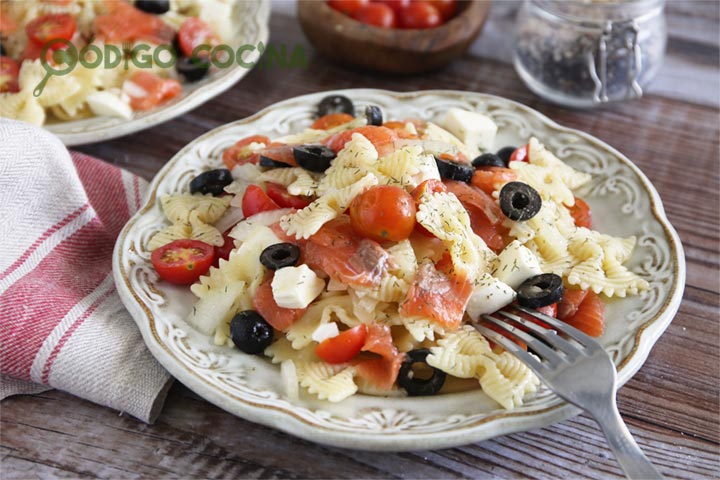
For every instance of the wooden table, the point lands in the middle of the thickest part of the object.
(671, 405)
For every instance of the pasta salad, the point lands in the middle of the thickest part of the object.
(357, 254)
(102, 57)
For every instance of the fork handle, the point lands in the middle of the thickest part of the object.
(627, 453)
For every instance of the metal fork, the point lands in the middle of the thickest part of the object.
(577, 369)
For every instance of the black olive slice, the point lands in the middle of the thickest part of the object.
(280, 255)
(335, 104)
(454, 171)
(192, 69)
(505, 153)
(488, 160)
(519, 201)
(250, 332)
(540, 291)
(212, 182)
(315, 158)
(269, 162)
(413, 385)
(153, 6)
(374, 115)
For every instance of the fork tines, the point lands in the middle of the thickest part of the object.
(545, 343)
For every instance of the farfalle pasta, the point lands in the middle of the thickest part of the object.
(347, 296)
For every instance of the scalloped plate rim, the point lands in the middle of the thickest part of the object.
(403, 441)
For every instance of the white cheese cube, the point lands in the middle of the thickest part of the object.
(325, 331)
(516, 264)
(475, 130)
(109, 104)
(296, 287)
(489, 295)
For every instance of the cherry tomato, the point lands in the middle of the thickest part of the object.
(223, 251)
(157, 90)
(376, 14)
(348, 7)
(256, 200)
(240, 153)
(383, 212)
(51, 27)
(419, 15)
(283, 199)
(331, 120)
(343, 347)
(520, 155)
(193, 33)
(428, 186)
(183, 261)
(9, 70)
(396, 5)
(581, 213)
(446, 8)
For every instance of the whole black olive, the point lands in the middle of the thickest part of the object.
(153, 6)
(505, 153)
(192, 69)
(335, 104)
(413, 385)
(374, 115)
(454, 171)
(280, 255)
(315, 158)
(540, 291)
(519, 201)
(250, 332)
(488, 160)
(212, 182)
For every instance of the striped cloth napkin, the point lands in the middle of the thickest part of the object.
(62, 324)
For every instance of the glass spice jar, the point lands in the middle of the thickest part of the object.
(584, 53)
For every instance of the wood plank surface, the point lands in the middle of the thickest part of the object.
(671, 405)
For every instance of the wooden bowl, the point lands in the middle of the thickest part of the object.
(347, 41)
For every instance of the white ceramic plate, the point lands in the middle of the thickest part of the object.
(623, 203)
(250, 27)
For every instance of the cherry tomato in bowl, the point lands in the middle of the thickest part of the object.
(419, 15)
(348, 7)
(383, 212)
(183, 261)
(376, 14)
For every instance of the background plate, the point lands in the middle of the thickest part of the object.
(623, 203)
(250, 24)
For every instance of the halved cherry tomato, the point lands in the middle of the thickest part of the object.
(9, 70)
(427, 186)
(331, 120)
(183, 261)
(343, 347)
(419, 15)
(383, 212)
(123, 22)
(283, 199)
(194, 32)
(520, 154)
(348, 7)
(256, 200)
(383, 139)
(240, 153)
(581, 213)
(489, 179)
(446, 8)
(51, 27)
(376, 14)
(157, 90)
(223, 251)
